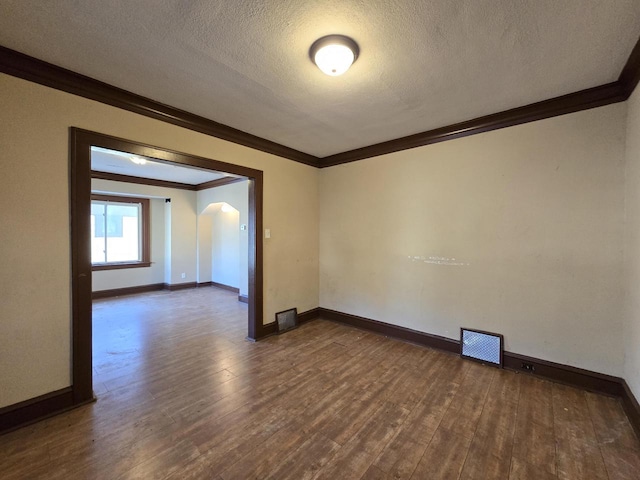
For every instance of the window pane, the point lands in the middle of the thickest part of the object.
(98, 253)
(123, 232)
(116, 230)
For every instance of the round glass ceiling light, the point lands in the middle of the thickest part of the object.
(334, 54)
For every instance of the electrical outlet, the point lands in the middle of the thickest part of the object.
(528, 367)
(184, 275)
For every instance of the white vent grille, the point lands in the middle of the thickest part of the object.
(482, 346)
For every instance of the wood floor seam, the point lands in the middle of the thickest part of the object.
(182, 395)
(598, 444)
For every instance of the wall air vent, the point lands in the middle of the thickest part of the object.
(287, 320)
(485, 347)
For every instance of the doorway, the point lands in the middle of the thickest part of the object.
(81, 142)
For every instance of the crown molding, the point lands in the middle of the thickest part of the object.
(219, 182)
(614, 92)
(117, 177)
(630, 75)
(28, 68)
(574, 102)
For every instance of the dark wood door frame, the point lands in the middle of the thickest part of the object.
(81, 142)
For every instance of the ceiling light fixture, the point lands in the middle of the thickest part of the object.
(334, 54)
(138, 160)
(226, 208)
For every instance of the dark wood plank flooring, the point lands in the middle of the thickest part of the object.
(182, 395)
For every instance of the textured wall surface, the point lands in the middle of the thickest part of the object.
(34, 144)
(225, 242)
(632, 247)
(246, 63)
(236, 195)
(517, 231)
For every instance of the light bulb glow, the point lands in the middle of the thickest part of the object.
(334, 54)
(226, 208)
(334, 60)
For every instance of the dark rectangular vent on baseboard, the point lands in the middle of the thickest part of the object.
(485, 347)
(287, 320)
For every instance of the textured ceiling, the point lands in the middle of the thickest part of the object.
(112, 161)
(245, 63)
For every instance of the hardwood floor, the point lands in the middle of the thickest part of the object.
(182, 395)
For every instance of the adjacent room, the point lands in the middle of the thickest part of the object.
(161, 227)
(443, 198)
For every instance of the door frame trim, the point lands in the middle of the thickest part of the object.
(81, 141)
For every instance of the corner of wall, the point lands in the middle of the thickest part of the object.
(631, 327)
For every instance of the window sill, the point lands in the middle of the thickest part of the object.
(117, 266)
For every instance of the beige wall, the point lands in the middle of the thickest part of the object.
(517, 231)
(183, 231)
(34, 147)
(236, 195)
(225, 243)
(632, 247)
(205, 228)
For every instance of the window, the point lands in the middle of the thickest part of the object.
(119, 232)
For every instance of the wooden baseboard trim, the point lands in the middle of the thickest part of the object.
(29, 411)
(565, 374)
(225, 287)
(179, 286)
(309, 315)
(268, 330)
(243, 298)
(117, 292)
(414, 336)
(631, 407)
